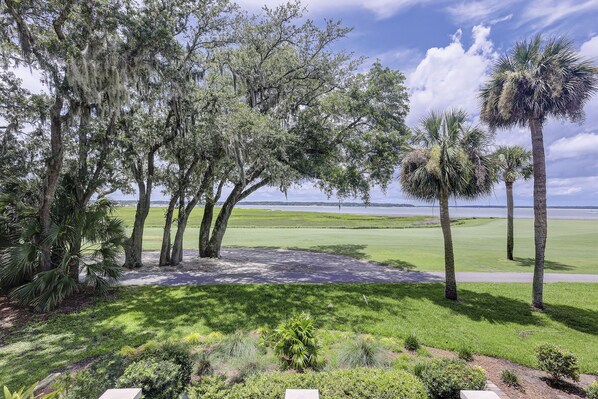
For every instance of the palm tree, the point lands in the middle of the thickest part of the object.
(448, 159)
(534, 81)
(513, 163)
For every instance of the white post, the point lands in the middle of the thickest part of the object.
(302, 394)
(127, 393)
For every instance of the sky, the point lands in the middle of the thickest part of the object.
(445, 49)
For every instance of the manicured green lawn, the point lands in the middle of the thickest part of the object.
(285, 219)
(493, 319)
(479, 244)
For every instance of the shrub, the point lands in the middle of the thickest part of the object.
(362, 352)
(444, 378)
(295, 342)
(510, 378)
(557, 362)
(91, 382)
(237, 345)
(592, 390)
(158, 379)
(210, 388)
(411, 342)
(170, 351)
(465, 353)
(360, 383)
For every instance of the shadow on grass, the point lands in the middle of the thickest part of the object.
(351, 250)
(548, 264)
(143, 313)
(400, 264)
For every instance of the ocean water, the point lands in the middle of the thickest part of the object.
(455, 211)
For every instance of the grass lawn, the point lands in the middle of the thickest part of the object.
(242, 217)
(493, 319)
(479, 244)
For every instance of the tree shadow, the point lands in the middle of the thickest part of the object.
(548, 264)
(351, 250)
(583, 320)
(143, 313)
(400, 264)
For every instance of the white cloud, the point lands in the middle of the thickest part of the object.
(580, 145)
(589, 49)
(451, 76)
(381, 8)
(543, 13)
(481, 11)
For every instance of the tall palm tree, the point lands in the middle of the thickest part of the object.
(447, 159)
(536, 80)
(513, 162)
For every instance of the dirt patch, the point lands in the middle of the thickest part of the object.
(534, 383)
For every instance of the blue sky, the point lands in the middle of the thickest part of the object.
(445, 49)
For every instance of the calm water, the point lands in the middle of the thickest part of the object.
(553, 213)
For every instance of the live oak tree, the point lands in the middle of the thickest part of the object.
(448, 159)
(187, 33)
(304, 117)
(514, 163)
(537, 80)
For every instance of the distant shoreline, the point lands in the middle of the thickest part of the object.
(360, 205)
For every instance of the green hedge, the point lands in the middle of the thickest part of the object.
(342, 384)
(444, 378)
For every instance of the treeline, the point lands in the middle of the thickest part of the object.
(211, 104)
(199, 98)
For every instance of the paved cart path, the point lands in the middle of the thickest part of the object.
(279, 266)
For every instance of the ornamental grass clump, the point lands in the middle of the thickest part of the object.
(362, 352)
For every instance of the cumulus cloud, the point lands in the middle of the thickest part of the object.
(580, 145)
(451, 76)
(589, 49)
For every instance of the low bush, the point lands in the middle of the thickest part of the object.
(158, 379)
(465, 353)
(510, 378)
(296, 344)
(557, 362)
(91, 382)
(592, 390)
(170, 351)
(362, 352)
(360, 383)
(411, 342)
(444, 378)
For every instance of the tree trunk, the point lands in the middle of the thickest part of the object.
(177, 247)
(54, 167)
(510, 239)
(166, 245)
(540, 219)
(135, 245)
(450, 291)
(204, 228)
(215, 243)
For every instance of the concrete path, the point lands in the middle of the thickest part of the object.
(279, 266)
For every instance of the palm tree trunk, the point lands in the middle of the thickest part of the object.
(449, 256)
(510, 239)
(540, 219)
